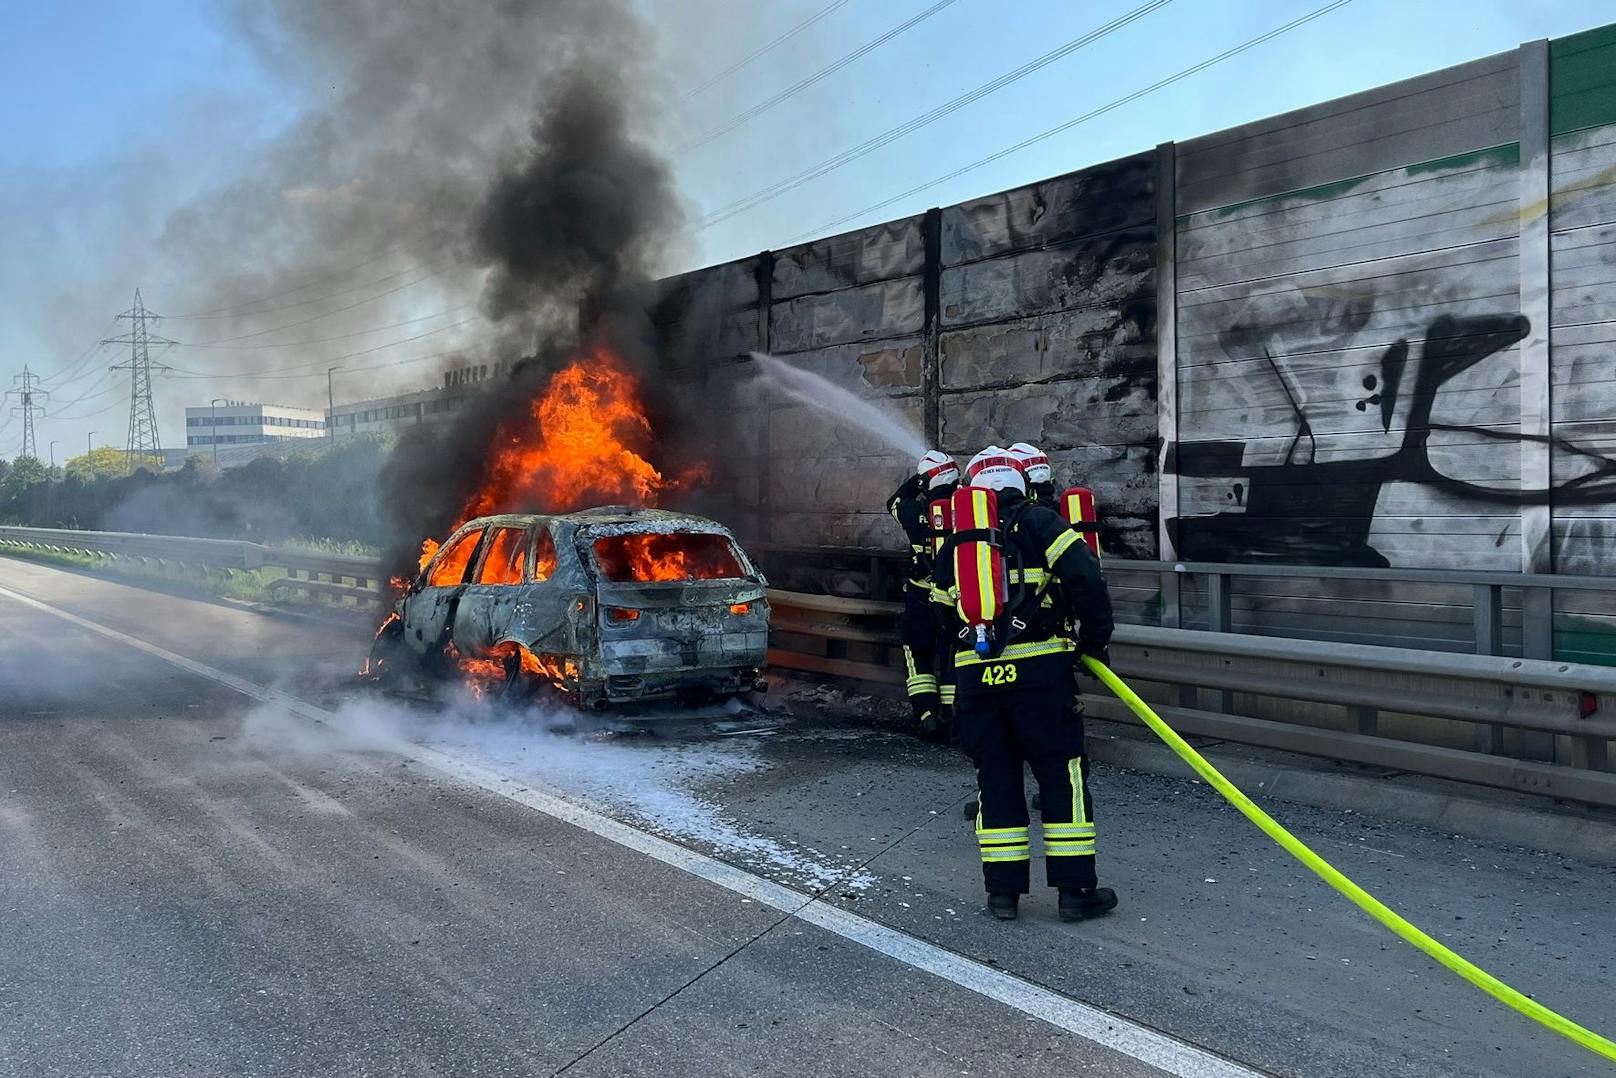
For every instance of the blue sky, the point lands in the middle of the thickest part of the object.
(119, 113)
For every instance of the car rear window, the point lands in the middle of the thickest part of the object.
(642, 557)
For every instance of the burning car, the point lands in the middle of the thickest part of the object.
(607, 605)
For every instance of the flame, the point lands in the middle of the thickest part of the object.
(482, 673)
(657, 556)
(582, 443)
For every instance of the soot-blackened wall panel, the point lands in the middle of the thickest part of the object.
(880, 253)
(1048, 334)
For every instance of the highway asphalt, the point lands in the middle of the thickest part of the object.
(195, 878)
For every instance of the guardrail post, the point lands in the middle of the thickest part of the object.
(1487, 618)
(1220, 610)
(1487, 623)
(1537, 622)
(1172, 614)
(1220, 619)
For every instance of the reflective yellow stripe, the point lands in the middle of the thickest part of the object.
(921, 684)
(1004, 832)
(1074, 769)
(1020, 853)
(1068, 830)
(1027, 576)
(909, 668)
(1068, 849)
(1055, 645)
(984, 561)
(947, 693)
(1062, 543)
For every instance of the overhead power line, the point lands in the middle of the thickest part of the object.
(1069, 124)
(182, 372)
(327, 340)
(100, 388)
(334, 295)
(823, 73)
(82, 366)
(235, 309)
(759, 51)
(831, 164)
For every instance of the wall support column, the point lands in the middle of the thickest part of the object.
(765, 299)
(1167, 371)
(1536, 542)
(931, 380)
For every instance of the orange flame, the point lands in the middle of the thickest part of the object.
(647, 557)
(482, 673)
(582, 444)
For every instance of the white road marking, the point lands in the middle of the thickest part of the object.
(1103, 1028)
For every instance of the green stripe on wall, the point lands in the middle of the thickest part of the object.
(1507, 155)
(1582, 80)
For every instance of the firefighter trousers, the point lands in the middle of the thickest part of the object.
(1004, 731)
(928, 685)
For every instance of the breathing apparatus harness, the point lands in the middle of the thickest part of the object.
(990, 626)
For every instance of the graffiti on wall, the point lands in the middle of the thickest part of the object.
(1297, 503)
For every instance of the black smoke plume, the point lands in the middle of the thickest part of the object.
(569, 231)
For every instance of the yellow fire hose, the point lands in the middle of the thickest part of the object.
(1330, 875)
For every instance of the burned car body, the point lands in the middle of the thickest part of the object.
(609, 605)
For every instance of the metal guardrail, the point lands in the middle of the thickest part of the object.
(1520, 724)
(1472, 718)
(1483, 590)
(343, 579)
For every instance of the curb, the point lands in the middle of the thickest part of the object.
(1546, 826)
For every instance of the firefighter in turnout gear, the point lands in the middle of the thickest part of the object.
(1040, 477)
(930, 697)
(1029, 598)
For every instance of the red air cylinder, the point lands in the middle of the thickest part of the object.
(1077, 506)
(942, 522)
(978, 563)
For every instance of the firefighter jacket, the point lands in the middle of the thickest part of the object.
(1058, 603)
(909, 506)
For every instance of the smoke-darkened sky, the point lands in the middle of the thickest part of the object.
(310, 174)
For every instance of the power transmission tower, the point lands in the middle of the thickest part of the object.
(143, 437)
(27, 394)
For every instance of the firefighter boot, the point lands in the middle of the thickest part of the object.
(1079, 905)
(1003, 906)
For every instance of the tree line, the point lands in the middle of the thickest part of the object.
(329, 492)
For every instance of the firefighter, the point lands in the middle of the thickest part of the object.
(1040, 477)
(936, 476)
(1016, 694)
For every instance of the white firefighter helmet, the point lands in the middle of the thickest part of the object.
(1033, 461)
(937, 468)
(996, 469)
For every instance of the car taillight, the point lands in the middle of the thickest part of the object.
(622, 613)
(740, 608)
